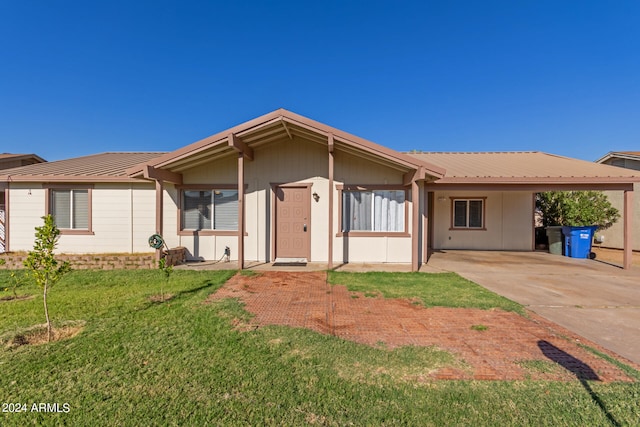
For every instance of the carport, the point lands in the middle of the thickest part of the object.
(502, 187)
(596, 300)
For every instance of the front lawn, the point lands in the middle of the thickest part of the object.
(440, 290)
(182, 362)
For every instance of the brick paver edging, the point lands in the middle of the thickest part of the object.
(90, 261)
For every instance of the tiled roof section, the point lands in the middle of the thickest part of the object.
(522, 167)
(96, 167)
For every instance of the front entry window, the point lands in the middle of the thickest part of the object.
(374, 211)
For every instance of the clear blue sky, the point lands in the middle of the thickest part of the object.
(82, 77)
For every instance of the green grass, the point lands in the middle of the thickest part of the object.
(183, 362)
(432, 290)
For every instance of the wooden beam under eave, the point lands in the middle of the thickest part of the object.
(628, 230)
(331, 185)
(286, 128)
(159, 213)
(238, 145)
(330, 143)
(413, 175)
(241, 222)
(415, 226)
(149, 172)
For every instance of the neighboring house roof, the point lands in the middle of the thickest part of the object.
(103, 167)
(523, 168)
(631, 155)
(277, 125)
(9, 160)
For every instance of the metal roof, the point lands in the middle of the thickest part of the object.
(105, 167)
(522, 167)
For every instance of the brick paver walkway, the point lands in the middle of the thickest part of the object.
(306, 300)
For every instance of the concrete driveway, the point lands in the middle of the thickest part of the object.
(599, 301)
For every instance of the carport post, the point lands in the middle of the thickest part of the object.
(628, 238)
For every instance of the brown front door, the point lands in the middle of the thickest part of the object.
(293, 222)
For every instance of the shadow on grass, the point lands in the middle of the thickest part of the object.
(206, 284)
(581, 370)
(171, 297)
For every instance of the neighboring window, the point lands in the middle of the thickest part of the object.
(70, 209)
(377, 210)
(468, 213)
(209, 209)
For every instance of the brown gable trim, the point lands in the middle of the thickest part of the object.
(285, 116)
(194, 148)
(362, 143)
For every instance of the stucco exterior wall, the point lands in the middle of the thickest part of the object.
(508, 222)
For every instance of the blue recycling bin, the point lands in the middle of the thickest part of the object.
(577, 243)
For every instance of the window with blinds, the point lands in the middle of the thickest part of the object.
(468, 213)
(209, 210)
(70, 209)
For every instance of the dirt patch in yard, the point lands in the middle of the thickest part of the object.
(498, 345)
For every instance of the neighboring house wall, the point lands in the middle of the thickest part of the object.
(623, 163)
(614, 236)
(287, 162)
(123, 218)
(9, 163)
(508, 222)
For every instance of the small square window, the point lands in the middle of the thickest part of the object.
(468, 213)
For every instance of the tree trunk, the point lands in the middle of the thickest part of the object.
(46, 314)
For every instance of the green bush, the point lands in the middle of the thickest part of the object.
(576, 208)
